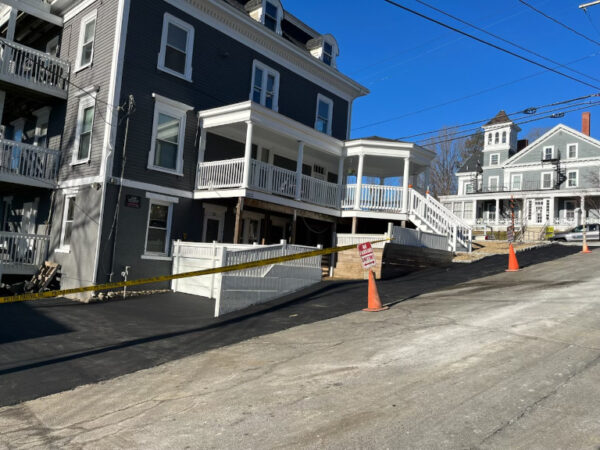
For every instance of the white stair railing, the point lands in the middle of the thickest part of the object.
(442, 221)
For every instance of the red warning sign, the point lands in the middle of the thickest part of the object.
(367, 256)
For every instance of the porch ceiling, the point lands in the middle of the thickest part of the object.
(384, 166)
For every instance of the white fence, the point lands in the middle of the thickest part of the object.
(33, 69)
(22, 253)
(31, 161)
(237, 290)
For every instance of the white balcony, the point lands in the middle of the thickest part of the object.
(32, 69)
(22, 254)
(373, 198)
(28, 164)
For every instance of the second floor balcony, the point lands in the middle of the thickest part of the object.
(28, 164)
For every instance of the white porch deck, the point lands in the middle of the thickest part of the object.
(28, 164)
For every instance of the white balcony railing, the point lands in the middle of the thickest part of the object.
(319, 192)
(272, 179)
(33, 69)
(28, 161)
(18, 251)
(374, 198)
(221, 174)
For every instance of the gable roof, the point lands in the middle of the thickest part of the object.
(472, 163)
(501, 117)
(548, 135)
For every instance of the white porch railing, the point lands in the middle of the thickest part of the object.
(33, 69)
(272, 179)
(374, 197)
(440, 220)
(17, 158)
(18, 250)
(319, 192)
(228, 173)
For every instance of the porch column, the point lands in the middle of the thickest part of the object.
(405, 185)
(497, 211)
(475, 211)
(426, 179)
(359, 177)
(340, 180)
(12, 24)
(2, 98)
(552, 207)
(299, 170)
(202, 145)
(247, 154)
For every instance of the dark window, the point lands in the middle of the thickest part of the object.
(271, 16)
(176, 49)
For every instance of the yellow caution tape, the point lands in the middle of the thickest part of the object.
(120, 284)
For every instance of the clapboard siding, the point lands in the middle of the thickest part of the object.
(98, 74)
(222, 72)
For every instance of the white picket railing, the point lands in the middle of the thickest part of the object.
(439, 219)
(27, 160)
(18, 249)
(374, 197)
(355, 239)
(272, 179)
(319, 192)
(228, 173)
(33, 69)
(348, 196)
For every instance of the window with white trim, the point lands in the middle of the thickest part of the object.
(67, 222)
(324, 114)
(168, 134)
(82, 147)
(504, 137)
(548, 153)
(176, 47)
(85, 48)
(489, 138)
(572, 178)
(271, 16)
(469, 188)
(546, 180)
(497, 138)
(494, 159)
(493, 183)
(516, 182)
(572, 151)
(265, 86)
(159, 228)
(327, 55)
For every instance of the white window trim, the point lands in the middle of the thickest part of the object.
(576, 172)
(322, 98)
(512, 183)
(165, 254)
(263, 97)
(542, 180)
(65, 248)
(497, 178)
(279, 7)
(82, 23)
(216, 212)
(544, 152)
(168, 18)
(166, 106)
(576, 150)
(84, 103)
(491, 156)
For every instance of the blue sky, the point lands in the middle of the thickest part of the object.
(409, 64)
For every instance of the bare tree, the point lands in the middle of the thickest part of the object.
(535, 133)
(450, 154)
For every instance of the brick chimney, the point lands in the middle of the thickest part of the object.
(585, 123)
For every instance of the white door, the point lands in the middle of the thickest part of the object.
(569, 211)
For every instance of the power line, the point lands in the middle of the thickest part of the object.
(521, 111)
(503, 39)
(551, 116)
(490, 44)
(475, 94)
(589, 18)
(559, 22)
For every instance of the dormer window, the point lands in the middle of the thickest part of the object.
(268, 12)
(327, 53)
(324, 48)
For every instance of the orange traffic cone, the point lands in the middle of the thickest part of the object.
(513, 264)
(586, 249)
(374, 302)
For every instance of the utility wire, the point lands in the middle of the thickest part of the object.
(455, 100)
(490, 44)
(521, 111)
(559, 22)
(587, 14)
(514, 44)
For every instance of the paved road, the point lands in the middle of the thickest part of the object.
(510, 360)
(53, 345)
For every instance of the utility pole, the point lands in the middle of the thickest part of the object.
(586, 5)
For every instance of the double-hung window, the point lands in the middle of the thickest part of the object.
(516, 182)
(548, 153)
(271, 16)
(572, 176)
(168, 133)
(572, 151)
(159, 228)
(547, 180)
(67, 222)
(83, 131)
(327, 53)
(324, 114)
(85, 49)
(176, 47)
(494, 159)
(265, 86)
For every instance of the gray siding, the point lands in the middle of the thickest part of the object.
(560, 140)
(222, 72)
(98, 74)
(487, 173)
